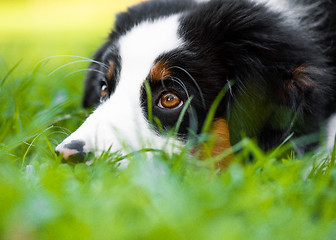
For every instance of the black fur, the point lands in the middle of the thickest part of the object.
(283, 73)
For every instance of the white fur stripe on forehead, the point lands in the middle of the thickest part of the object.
(143, 44)
(120, 119)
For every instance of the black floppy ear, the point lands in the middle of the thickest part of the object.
(296, 85)
(307, 89)
(92, 87)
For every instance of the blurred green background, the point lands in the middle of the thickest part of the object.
(34, 29)
(33, 33)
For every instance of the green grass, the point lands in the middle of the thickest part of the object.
(278, 196)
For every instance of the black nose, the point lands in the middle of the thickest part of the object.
(73, 152)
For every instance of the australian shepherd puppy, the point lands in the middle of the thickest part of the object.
(262, 69)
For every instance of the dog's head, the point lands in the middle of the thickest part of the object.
(167, 61)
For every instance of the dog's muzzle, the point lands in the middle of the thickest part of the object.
(72, 152)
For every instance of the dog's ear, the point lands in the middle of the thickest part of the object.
(296, 84)
(92, 87)
(307, 89)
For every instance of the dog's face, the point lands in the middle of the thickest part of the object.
(133, 60)
(166, 62)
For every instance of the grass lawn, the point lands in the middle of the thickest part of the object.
(177, 197)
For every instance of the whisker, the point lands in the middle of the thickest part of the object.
(58, 132)
(82, 70)
(67, 64)
(179, 81)
(74, 56)
(230, 87)
(193, 79)
(163, 85)
(63, 129)
(242, 86)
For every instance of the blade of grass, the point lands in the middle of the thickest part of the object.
(213, 108)
(2, 82)
(48, 143)
(182, 114)
(281, 148)
(333, 155)
(149, 102)
(31, 144)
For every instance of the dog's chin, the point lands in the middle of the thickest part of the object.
(73, 154)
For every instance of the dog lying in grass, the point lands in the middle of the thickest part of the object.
(261, 69)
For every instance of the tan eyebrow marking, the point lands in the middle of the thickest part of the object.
(160, 71)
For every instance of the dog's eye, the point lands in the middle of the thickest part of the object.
(170, 100)
(103, 91)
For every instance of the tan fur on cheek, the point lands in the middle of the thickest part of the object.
(219, 142)
(110, 71)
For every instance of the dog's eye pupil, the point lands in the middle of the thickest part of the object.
(170, 100)
(103, 91)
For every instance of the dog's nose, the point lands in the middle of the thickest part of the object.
(73, 152)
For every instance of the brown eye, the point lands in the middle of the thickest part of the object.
(170, 100)
(103, 91)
